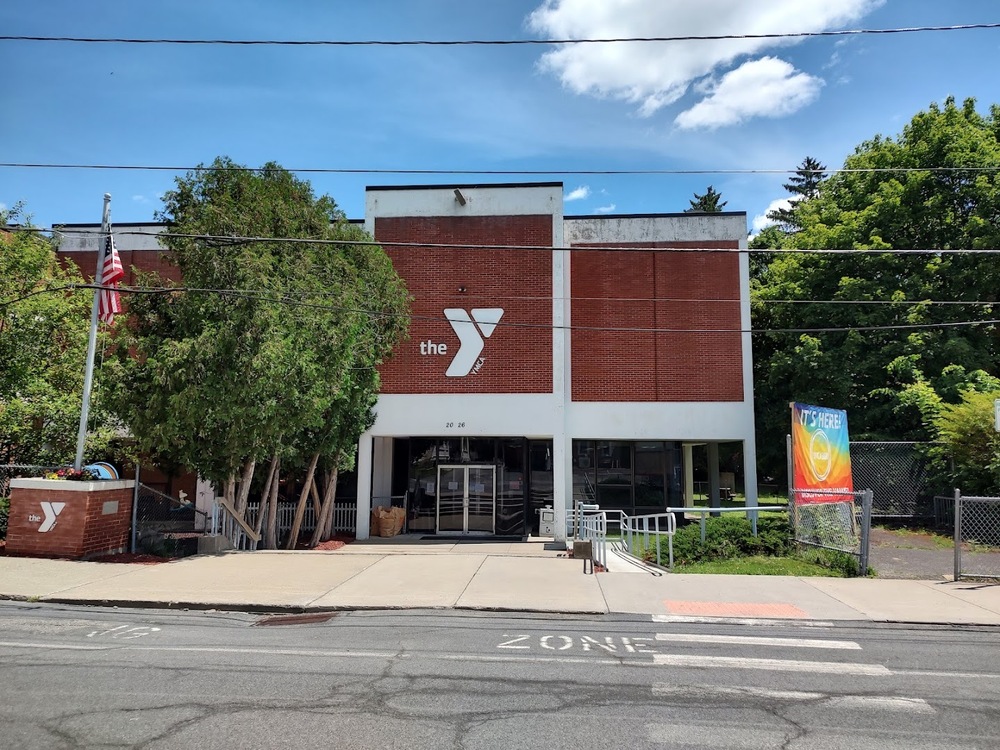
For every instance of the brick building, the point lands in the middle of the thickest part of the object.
(551, 358)
(554, 358)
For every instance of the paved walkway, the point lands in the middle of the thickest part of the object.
(532, 577)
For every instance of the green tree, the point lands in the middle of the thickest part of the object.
(43, 345)
(255, 360)
(968, 439)
(937, 188)
(802, 186)
(707, 203)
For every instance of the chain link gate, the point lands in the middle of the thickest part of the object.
(977, 537)
(897, 473)
(840, 526)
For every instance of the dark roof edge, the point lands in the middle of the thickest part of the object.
(654, 216)
(467, 186)
(115, 224)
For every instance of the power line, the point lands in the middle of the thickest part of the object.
(288, 300)
(491, 42)
(495, 172)
(574, 298)
(222, 239)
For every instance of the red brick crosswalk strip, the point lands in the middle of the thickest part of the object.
(734, 609)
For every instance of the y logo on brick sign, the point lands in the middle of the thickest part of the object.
(471, 332)
(51, 510)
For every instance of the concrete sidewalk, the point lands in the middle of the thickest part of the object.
(525, 577)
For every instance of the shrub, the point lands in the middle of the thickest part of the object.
(730, 536)
(4, 513)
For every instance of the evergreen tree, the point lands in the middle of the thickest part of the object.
(803, 186)
(709, 202)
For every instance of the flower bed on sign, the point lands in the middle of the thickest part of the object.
(73, 475)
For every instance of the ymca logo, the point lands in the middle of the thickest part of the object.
(470, 342)
(472, 331)
(51, 510)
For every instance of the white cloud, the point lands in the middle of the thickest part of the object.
(579, 194)
(761, 222)
(140, 199)
(653, 75)
(605, 209)
(768, 87)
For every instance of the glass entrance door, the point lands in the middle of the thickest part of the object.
(466, 499)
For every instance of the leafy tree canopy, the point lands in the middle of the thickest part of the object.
(43, 345)
(887, 378)
(276, 354)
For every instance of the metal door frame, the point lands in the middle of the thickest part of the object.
(465, 499)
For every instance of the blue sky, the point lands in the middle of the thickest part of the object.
(698, 105)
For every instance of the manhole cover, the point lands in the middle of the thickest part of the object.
(307, 619)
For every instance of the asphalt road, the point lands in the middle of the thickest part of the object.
(94, 678)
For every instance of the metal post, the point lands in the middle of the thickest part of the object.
(135, 509)
(958, 534)
(791, 480)
(702, 528)
(657, 526)
(88, 374)
(866, 524)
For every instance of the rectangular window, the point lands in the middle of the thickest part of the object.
(614, 475)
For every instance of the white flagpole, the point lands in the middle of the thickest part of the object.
(88, 378)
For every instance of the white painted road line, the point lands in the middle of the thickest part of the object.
(742, 621)
(881, 702)
(750, 640)
(774, 665)
(886, 702)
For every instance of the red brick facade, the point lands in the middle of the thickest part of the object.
(83, 528)
(146, 261)
(619, 290)
(517, 357)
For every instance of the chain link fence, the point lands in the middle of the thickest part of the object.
(897, 473)
(842, 525)
(163, 525)
(977, 537)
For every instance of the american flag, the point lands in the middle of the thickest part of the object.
(111, 273)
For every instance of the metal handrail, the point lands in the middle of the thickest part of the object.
(632, 526)
(594, 528)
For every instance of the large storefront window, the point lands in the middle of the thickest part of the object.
(636, 477)
(510, 487)
(584, 466)
(649, 477)
(419, 471)
(614, 475)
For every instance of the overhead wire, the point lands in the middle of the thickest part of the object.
(287, 299)
(492, 172)
(494, 42)
(603, 248)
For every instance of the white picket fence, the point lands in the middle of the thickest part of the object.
(344, 517)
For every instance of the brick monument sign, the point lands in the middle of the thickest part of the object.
(76, 520)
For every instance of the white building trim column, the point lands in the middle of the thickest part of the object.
(362, 523)
(714, 500)
(687, 461)
(562, 377)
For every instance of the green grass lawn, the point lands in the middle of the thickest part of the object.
(761, 566)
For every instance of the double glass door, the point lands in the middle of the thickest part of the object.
(466, 499)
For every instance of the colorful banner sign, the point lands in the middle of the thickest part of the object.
(821, 455)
